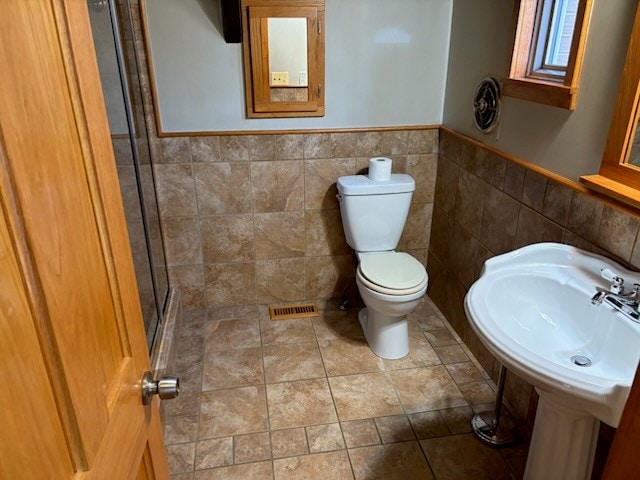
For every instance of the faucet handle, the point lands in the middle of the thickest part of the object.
(609, 275)
(616, 281)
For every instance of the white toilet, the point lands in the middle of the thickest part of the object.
(391, 283)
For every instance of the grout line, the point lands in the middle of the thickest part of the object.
(306, 439)
(424, 454)
(199, 230)
(303, 173)
(253, 232)
(375, 425)
(264, 377)
(333, 400)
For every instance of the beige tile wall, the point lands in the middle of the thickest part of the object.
(486, 205)
(254, 218)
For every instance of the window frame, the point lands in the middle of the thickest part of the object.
(617, 178)
(543, 41)
(547, 89)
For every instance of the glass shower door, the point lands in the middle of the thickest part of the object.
(114, 44)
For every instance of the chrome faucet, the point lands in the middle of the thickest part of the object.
(627, 303)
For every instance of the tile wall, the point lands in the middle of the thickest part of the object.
(486, 205)
(254, 218)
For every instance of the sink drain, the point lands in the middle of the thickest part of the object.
(581, 360)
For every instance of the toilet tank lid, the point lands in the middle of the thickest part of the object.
(362, 185)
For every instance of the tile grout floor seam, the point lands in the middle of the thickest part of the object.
(386, 369)
(333, 400)
(266, 397)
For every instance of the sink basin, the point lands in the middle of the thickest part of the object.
(532, 309)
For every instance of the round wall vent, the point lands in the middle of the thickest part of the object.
(486, 105)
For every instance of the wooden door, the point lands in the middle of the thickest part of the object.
(72, 343)
(624, 462)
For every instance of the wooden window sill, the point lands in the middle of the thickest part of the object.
(541, 91)
(612, 189)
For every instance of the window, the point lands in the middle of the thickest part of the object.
(548, 47)
(554, 32)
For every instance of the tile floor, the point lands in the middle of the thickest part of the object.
(307, 399)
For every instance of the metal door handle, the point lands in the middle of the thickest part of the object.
(166, 388)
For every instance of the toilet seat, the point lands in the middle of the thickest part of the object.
(391, 273)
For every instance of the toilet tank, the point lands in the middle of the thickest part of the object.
(374, 213)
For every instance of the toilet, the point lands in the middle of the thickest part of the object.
(391, 283)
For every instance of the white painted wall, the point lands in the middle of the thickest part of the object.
(386, 64)
(568, 143)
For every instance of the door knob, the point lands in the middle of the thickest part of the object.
(166, 388)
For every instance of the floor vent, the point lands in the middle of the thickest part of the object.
(288, 312)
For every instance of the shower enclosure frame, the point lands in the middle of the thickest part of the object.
(160, 298)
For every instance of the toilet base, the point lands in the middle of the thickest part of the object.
(387, 336)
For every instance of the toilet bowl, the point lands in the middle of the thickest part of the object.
(390, 283)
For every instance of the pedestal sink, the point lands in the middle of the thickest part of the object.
(532, 308)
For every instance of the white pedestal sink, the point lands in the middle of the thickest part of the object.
(532, 309)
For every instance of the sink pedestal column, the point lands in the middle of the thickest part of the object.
(563, 443)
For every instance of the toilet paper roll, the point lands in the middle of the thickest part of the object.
(380, 169)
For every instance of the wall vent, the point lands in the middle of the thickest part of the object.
(486, 105)
(287, 312)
